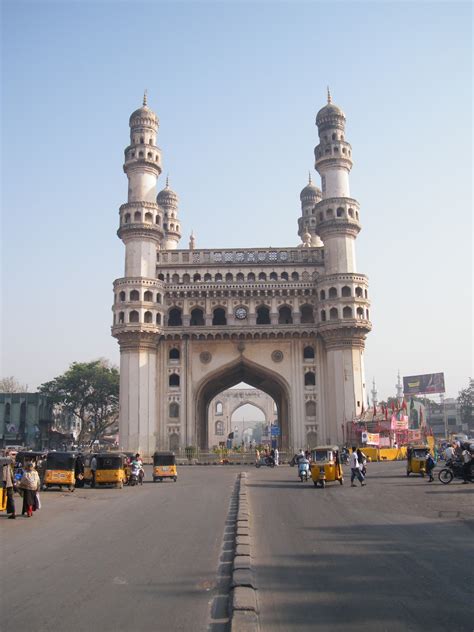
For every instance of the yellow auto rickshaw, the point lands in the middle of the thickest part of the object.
(59, 471)
(164, 466)
(416, 459)
(110, 469)
(326, 465)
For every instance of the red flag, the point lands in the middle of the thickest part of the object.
(404, 405)
(392, 405)
(386, 413)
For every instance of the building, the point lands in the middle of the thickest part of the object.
(192, 323)
(445, 418)
(25, 419)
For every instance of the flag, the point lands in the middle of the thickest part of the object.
(392, 405)
(375, 410)
(386, 413)
(404, 405)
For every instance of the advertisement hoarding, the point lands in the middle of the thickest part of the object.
(424, 384)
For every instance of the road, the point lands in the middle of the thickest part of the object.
(143, 558)
(395, 555)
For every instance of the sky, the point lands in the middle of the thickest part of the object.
(236, 86)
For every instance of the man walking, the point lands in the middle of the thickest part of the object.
(93, 469)
(355, 468)
(7, 483)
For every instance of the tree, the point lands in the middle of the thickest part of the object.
(89, 390)
(12, 385)
(466, 407)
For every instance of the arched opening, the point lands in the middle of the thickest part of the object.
(323, 315)
(262, 276)
(158, 298)
(121, 317)
(218, 278)
(322, 295)
(295, 276)
(226, 376)
(133, 317)
(251, 277)
(219, 408)
(174, 380)
(186, 278)
(308, 353)
(148, 296)
(196, 277)
(311, 439)
(197, 317)
(309, 379)
(346, 291)
(148, 218)
(174, 354)
(240, 277)
(347, 312)
(332, 292)
(174, 317)
(285, 316)
(284, 276)
(148, 317)
(219, 317)
(248, 423)
(263, 315)
(207, 277)
(158, 319)
(333, 315)
(360, 312)
(134, 295)
(175, 278)
(174, 410)
(229, 278)
(273, 276)
(359, 292)
(122, 296)
(307, 314)
(219, 428)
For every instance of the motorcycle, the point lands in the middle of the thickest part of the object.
(303, 470)
(453, 469)
(265, 461)
(135, 476)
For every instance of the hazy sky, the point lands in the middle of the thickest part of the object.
(236, 87)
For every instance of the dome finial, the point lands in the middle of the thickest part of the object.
(329, 96)
(145, 98)
(167, 180)
(309, 178)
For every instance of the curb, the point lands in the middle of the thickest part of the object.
(243, 603)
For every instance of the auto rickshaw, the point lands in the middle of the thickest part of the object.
(110, 469)
(164, 466)
(60, 470)
(416, 459)
(326, 465)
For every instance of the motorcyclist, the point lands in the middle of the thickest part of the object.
(137, 468)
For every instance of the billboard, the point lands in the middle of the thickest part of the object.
(424, 384)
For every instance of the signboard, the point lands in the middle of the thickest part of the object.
(384, 442)
(275, 431)
(400, 424)
(424, 384)
(414, 435)
(370, 438)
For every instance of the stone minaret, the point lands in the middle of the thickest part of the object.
(168, 201)
(138, 303)
(343, 293)
(309, 197)
(375, 395)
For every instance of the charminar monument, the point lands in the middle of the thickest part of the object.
(192, 322)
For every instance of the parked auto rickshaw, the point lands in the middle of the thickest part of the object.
(23, 457)
(59, 470)
(164, 466)
(110, 469)
(416, 459)
(326, 465)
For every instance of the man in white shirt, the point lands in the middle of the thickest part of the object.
(355, 468)
(449, 453)
(93, 470)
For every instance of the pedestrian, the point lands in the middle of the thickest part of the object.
(277, 457)
(466, 457)
(257, 455)
(449, 453)
(355, 468)
(7, 464)
(29, 484)
(361, 457)
(93, 469)
(79, 471)
(430, 465)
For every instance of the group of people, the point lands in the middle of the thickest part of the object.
(272, 456)
(28, 486)
(461, 452)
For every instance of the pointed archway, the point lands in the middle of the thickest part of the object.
(229, 375)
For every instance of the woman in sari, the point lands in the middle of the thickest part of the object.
(29, 484)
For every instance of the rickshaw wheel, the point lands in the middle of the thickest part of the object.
(445, 476)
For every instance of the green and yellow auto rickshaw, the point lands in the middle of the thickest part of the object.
(59, 470)
(164, 466)
(326, 465)
(416, 459)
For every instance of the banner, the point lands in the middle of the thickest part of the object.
(414, 435)
(424, 384)
(399, 424)
(384, 442)
(370, 438)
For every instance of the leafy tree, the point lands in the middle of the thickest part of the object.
(12, 385)
(89, 390)
(466, 405)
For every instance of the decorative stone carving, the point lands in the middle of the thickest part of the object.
(205, 357)
(277, 356)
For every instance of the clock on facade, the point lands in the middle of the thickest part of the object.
(241, 313)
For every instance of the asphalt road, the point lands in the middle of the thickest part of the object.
(142, 559)
(396, 555)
